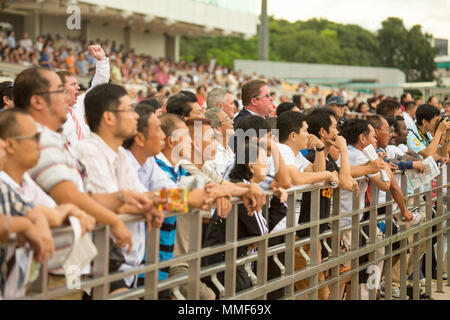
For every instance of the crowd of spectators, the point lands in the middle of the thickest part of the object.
(97, 154)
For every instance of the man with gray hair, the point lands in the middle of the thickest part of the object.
(221, 98)
(222, 126)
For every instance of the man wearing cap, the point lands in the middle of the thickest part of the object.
(337, 104)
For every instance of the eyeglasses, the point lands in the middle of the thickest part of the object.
(36, 137)
(63, 90)
(131, 109)
(264, 96)
(227, 119)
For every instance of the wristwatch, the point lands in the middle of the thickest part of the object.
(121, 198)
(319, 149)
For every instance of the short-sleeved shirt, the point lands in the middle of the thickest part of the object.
(301, 163)
(11, 204)
(416, 141)
(110, 171)
(154, 178)
(57, 162)
(356, 157)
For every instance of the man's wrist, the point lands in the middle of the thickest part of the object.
(320, 149)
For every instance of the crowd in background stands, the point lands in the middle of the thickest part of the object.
(124, 152)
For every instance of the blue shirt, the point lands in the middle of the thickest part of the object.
(167, 234)
(416, 141)
(11, 204)
(153, 178)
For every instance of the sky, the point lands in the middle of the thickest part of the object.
(432, 15)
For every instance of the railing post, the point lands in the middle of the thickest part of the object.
(415, 254)
(230, 254)
(439, 213)
(290, 243)
(195, 245)
(429, 244)
(448, 225)
(152, 257)
(355, 246)
(403, 244)
(335, 244)
(262, 262)
(388, 249)
(373, 234)
(101, 263)
(314, 241)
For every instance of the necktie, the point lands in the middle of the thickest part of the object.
(77, 124)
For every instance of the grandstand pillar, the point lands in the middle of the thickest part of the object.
(263, 31)
(127, 38)
(32, 24)
(172, 47)
(85, 28)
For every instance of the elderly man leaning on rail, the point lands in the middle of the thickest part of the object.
(177, 163)
(383, 137)
(20, 217)
(59, 172)
(23, 150)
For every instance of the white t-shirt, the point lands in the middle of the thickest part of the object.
(301, 163)
(290, 158)
(356, 158)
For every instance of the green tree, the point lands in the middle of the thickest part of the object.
(408, 50)
(325, 42)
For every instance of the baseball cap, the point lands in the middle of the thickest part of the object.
(336, 100)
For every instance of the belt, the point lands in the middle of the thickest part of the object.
(206, 220)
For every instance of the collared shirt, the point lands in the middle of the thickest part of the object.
(28, 190)
(150, 174)
(301, 163)
(154, 178)
(224, 157)
(11, 204)
(110, 171)
(57, 162)
(102, 73)
(253, 113)
(173, 172)
(356, 157)
(416, 141)
(171, 239)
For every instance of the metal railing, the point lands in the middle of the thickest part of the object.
(422, 234)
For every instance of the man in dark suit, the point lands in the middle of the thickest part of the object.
(256, 99)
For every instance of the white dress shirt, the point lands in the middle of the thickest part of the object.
(224, 158)
(108, 172)
(101, 76)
